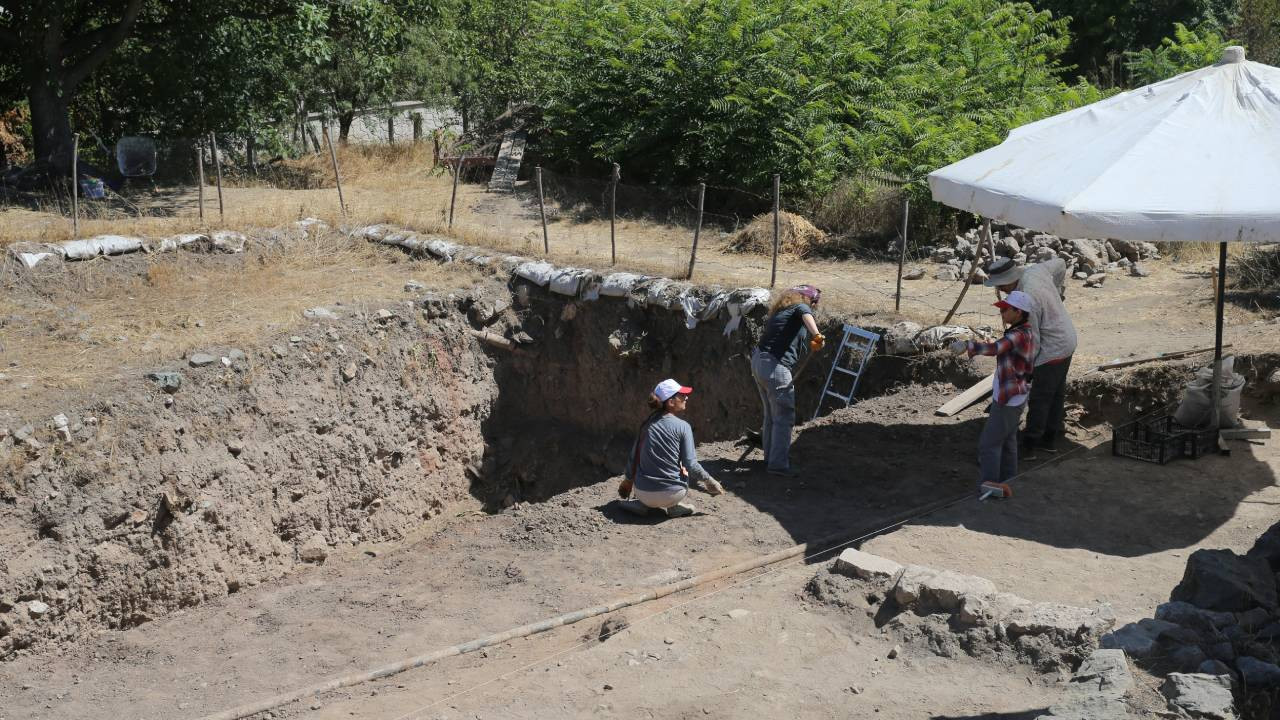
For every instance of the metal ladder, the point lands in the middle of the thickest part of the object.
(863, 347)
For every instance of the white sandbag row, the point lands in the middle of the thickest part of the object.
(695, 303)
(32, 254)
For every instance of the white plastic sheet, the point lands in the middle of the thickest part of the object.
(100, 245)
(741, 302)
(228, 241)
(536, 272)
(568, 281)
(619, 284)
(442, 249)
(1189, 159)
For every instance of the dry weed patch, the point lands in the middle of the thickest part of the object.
(164, 307)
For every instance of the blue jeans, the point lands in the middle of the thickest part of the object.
(778, 396)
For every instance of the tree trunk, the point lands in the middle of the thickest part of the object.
(51, 125)
(344, 126)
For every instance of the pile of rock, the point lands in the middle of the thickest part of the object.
(952, 612)
(1086, 259)
(1221, 628)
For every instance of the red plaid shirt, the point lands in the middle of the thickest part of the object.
(1014, 353)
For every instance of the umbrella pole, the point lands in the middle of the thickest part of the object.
(1217, 342)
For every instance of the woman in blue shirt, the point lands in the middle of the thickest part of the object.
(788, 331)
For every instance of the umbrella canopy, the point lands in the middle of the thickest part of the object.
(1195, 158)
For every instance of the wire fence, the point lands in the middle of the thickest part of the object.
(709, 231)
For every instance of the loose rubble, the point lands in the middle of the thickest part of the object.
(953, 613)
(1087, 260)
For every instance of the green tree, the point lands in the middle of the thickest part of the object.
(1257, 26)
(1187, 50)
(1104, 30)
(823, 89)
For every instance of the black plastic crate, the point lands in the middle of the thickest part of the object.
(1157, 441)
(1196, 443)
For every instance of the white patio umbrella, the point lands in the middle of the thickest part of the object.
(1195, 158)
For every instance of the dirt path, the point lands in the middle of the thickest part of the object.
(1088, 528)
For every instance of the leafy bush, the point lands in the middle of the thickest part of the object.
(817, 90)
(1187, 50)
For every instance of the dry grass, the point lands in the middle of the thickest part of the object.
(380, 184)
(168, 306)
(797, 236)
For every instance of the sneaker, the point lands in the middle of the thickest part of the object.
(680, 510)
(1028, 451)
(784, 472)
(635, 507)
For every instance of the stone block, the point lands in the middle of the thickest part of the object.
(989, 610)
(1060, 620)
(1223, 580)
(1188, 615)
(1200, 696)
(1257, 673)
(1137, 640)
(866, 566)
(937, 589)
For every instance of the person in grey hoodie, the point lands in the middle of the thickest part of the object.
(663, 459)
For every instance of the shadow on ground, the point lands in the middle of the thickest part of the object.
(857, 474)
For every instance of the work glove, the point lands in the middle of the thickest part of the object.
(712, 486)
(624, 488)
(958, 347)
(817, 343)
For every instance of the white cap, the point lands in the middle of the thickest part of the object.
(1017, 299)
(670, 387)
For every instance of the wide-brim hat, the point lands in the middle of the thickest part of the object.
(1003, 271)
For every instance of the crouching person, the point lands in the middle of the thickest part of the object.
(998, 445)
(662, 458)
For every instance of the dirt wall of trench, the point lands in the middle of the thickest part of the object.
(353, 430)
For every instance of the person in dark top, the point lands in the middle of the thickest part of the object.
(663, 458)
(790, 333)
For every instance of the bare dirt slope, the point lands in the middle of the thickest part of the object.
(1086, 528)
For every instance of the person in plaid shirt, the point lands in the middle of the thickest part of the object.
(1015, 352)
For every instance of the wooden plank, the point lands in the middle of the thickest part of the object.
(966, 398)
(1250, 433)
(507, 167)
(1154, 358)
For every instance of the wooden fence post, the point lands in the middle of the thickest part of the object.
(969, 281)
(457, 173)
(902, 255)
(773, 275)
(697, 229)
(75, 187)
(337, 176)
(613, 214)
(200, 177)
(542, 211)
(217, 164)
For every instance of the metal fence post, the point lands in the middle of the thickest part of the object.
(217, 164)
(200, 177)
(613, 214)
(75, 187)
(902, 255)
(453, 197)
(542, 211)
(777, 181)
(337, 176)
(697, 229)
